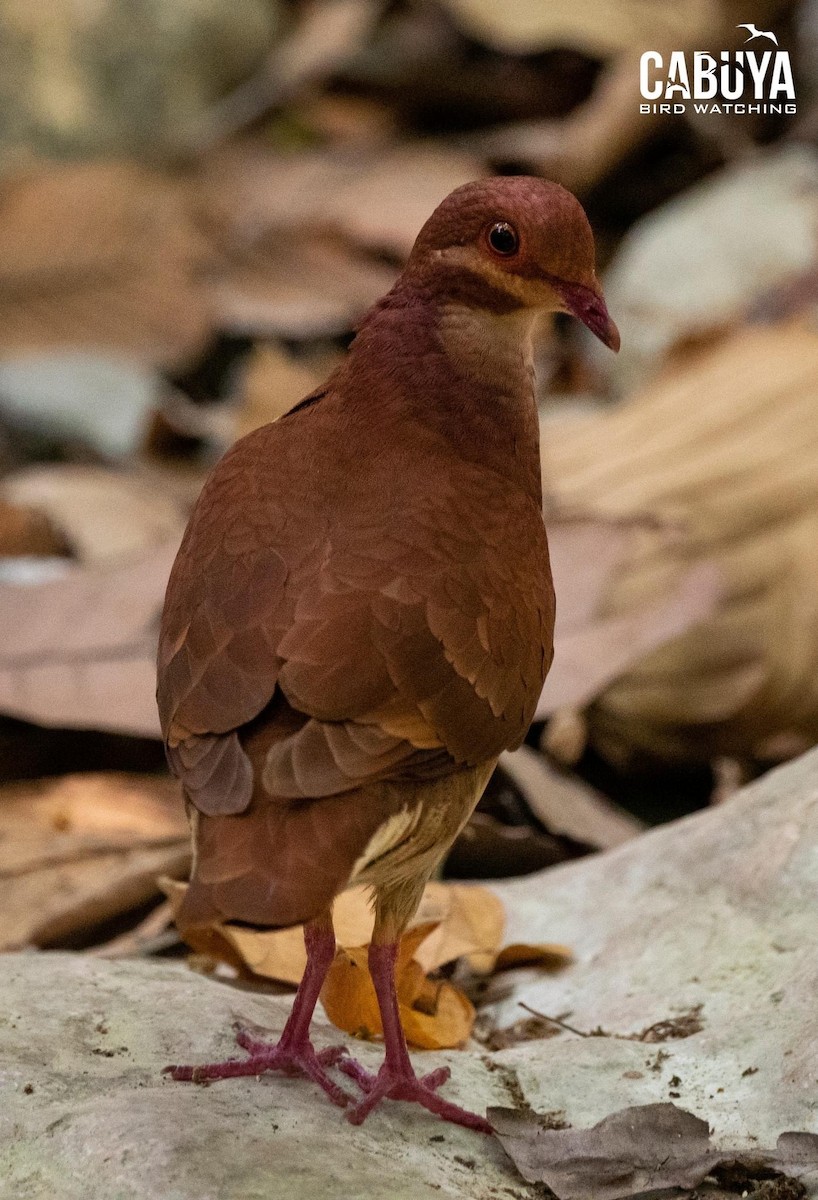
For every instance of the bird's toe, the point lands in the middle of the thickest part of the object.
(365, 1079)
(290, 1056)
(398, 1085)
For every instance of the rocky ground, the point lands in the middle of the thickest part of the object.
(695, 981)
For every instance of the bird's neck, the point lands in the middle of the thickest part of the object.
(462, 372)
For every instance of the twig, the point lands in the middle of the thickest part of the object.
(554, 1020)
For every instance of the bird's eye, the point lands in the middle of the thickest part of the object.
(503, 239)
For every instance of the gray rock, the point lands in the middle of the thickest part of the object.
(718, 910)
(90, 1039)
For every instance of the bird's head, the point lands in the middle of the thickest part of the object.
(511, 243)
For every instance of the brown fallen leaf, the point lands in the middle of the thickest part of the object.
(547, 955)
(100, 255)
(105, 516)
(81, 849)
(318, 287)
(470, 921)
(646, 1148)
(591, 650)
(683, 273)
(378, 200)
(566, 805)
(273, 383)
(725, 449)
(79, 652)
(453, 921)
(27, 531)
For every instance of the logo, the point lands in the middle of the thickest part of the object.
(754, 33)
(738, 81)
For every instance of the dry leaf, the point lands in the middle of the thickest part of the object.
(27, 531)
(435, 1014)
(79, 652)
(470, 921)
(461, 920)
(78, 850)
(378, 200)
(589, 650)
(314, 288)
(348, 994)
(548, 955)
(453, 921)
(566, 805)
(100, 255)
(273, 383)
(105, 516)
(646, 1148)
(724, 450)
(318, 284)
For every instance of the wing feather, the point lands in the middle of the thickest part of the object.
(406, 618)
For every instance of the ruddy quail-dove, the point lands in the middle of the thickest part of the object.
(360, 616)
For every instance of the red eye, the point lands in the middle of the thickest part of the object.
(503, 239)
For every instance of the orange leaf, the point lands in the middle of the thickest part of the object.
(446, 1026)
(348, 994)
(435, 1014)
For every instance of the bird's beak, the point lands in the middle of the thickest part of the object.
(588, 305)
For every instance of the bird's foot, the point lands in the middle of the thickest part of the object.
(366, 1081)
(392, 1084)
(293, 1057)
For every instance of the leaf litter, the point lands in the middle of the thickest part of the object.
(454, 922)
(81, 849)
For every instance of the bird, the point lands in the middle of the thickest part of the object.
(756, 33)
(360, 616)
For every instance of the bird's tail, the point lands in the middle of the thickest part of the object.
(281, 862)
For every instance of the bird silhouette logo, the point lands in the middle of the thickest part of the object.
(757, 33)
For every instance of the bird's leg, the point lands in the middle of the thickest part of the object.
(396, 1079)
(294, 1052)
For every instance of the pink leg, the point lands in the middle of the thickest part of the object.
(396, 1079)
(294, 1053)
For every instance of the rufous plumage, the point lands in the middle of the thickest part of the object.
(360, 617)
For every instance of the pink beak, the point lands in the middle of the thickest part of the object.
(589, 307)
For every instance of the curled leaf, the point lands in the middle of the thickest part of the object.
(435, 1014)
(551, 957)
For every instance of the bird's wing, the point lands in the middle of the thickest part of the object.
(404, 627)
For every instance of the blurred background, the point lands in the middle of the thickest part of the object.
(198, 201)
